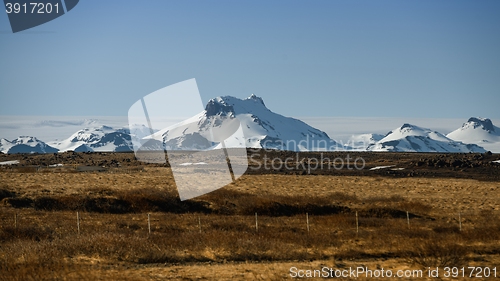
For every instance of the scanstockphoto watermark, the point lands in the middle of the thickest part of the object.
(312, 143)
(354, 272)
(303, 163)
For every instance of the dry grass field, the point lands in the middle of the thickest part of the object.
(304, 221)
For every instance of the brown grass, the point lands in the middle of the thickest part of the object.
(114, 233)
(48, 241)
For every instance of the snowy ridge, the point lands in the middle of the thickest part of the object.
(411, 138)
(261, 128)
(480, 131)
(101, 138)
(26, 144)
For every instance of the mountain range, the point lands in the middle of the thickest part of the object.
(102, 138)
(410, 138)
(249, 123)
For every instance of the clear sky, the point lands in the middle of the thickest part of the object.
(423, 59)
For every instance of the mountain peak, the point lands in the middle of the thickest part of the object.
(481, 122)
(231, 106)
(410, 128)
(219, 106)
(25, 140)
(406, 125)
(256, 98)
(479, 131)
(26, 144)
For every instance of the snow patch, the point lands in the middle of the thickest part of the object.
(13, 162)
(381, 167)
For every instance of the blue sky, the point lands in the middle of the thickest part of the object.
(427, 59)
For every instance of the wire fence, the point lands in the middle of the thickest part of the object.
(149, 223)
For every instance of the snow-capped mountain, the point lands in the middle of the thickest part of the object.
(480, 131)
(411, 138)
(249, 123)
(101, 138)
(261, 128)
(25, 144)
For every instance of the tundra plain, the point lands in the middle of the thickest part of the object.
(426, 210)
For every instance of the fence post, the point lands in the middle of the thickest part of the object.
(199, 223)
(256, 223)
(408, 219)
(357, 223)
(460, 221)
(307, 221)
(149, 224)
(78, 221)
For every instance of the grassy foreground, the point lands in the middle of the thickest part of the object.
(216, 233)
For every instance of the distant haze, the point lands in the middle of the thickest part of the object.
(49, 128)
